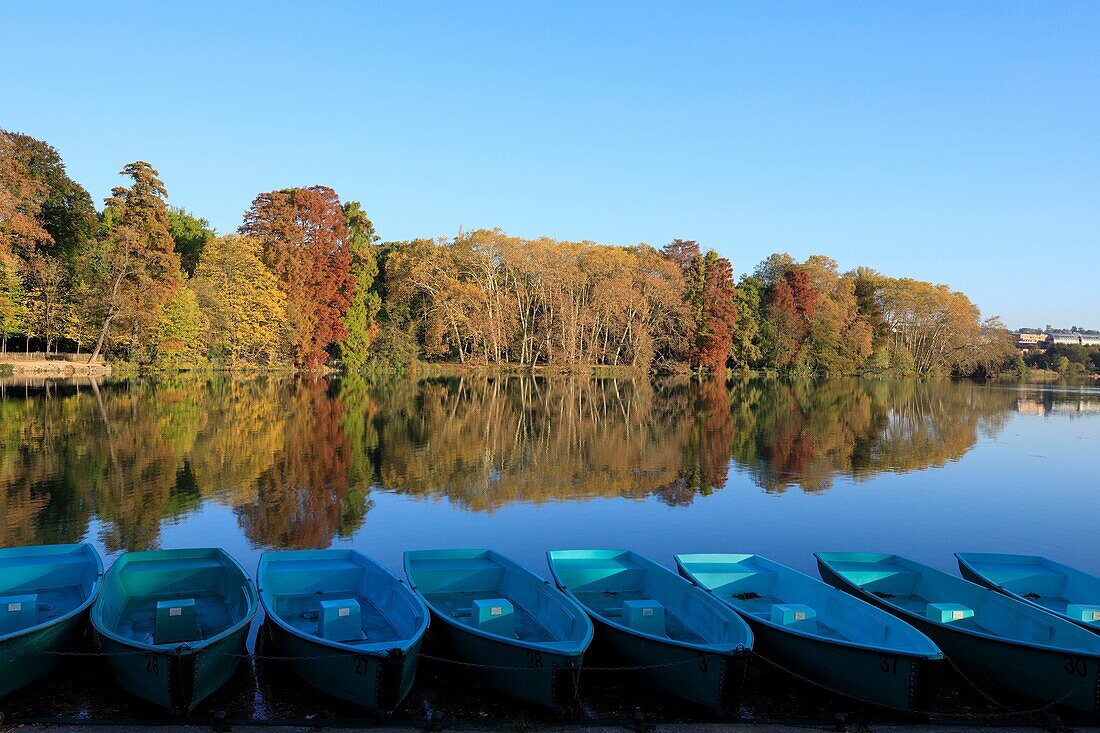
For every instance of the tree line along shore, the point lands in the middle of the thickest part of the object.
(305, 283)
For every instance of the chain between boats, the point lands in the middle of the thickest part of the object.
(1006, 711)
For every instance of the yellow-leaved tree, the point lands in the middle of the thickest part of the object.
(243, 303)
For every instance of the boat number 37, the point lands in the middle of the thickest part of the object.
(1076, 665)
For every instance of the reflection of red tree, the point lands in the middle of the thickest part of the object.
(717, 434)
(707, 455)
(300, 501)
(791, 450)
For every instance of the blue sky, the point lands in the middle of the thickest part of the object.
(954, 142)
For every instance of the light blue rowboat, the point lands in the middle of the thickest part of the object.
(44, 594)
(840, 642)
(173, 623)
(990, 636)
(347, 626)
(682, 639)
(1060, 589)
(502, 623)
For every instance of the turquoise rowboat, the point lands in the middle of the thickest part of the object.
(347, 626)
(821, 633)
(991, 637)
(683, 640)
(512, 629)
(44, 593)
(1060, 589)
(173, 623)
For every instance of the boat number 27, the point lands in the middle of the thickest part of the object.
(888, 663)
(1076, 665)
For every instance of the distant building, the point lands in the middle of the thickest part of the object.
(1027, 340)
(1075, 337)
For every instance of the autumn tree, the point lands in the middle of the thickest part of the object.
(243, 303)
(135, 264)
(11, 300)
(52, 221)
(178, 338)
(931, 327)
(793, 302)
(361, 319)
(21, 197)
(719, 317)
(709, 295)
(303, 236)
(840, 337)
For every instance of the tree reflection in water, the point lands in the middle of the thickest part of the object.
(297, 460)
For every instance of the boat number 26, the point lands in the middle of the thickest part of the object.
(1076, 665)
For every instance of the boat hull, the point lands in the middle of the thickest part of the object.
(710, 679)
(538, 676)
(883, 678)
(175, 679)
(1032, 672)
(376, 682)
(31, 656)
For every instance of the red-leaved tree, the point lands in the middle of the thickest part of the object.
(719, 314)
(793, 303)
(303, 232)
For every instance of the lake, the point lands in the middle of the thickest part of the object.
(522, 465)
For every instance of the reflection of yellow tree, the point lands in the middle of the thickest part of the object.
(806, 433)
(146, 452)
(136, 451)
(243, 433)
(297, 460)
(37, 442)
(484, 443)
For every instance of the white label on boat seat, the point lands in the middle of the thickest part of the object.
(496, 611)
(956, 615)
(799, 615)
(177, 611)
(647, 611)
(1096, 615)
(13, 607)
(345, 611)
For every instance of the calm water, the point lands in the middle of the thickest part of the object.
(523, 465)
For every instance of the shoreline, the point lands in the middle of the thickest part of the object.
(62, 367)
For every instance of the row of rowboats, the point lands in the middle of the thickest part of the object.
(173, 624)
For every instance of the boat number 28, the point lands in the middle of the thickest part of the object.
(888, 663)
(152, 664)
(1076, 665)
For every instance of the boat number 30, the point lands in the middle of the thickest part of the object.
(1076, 665)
